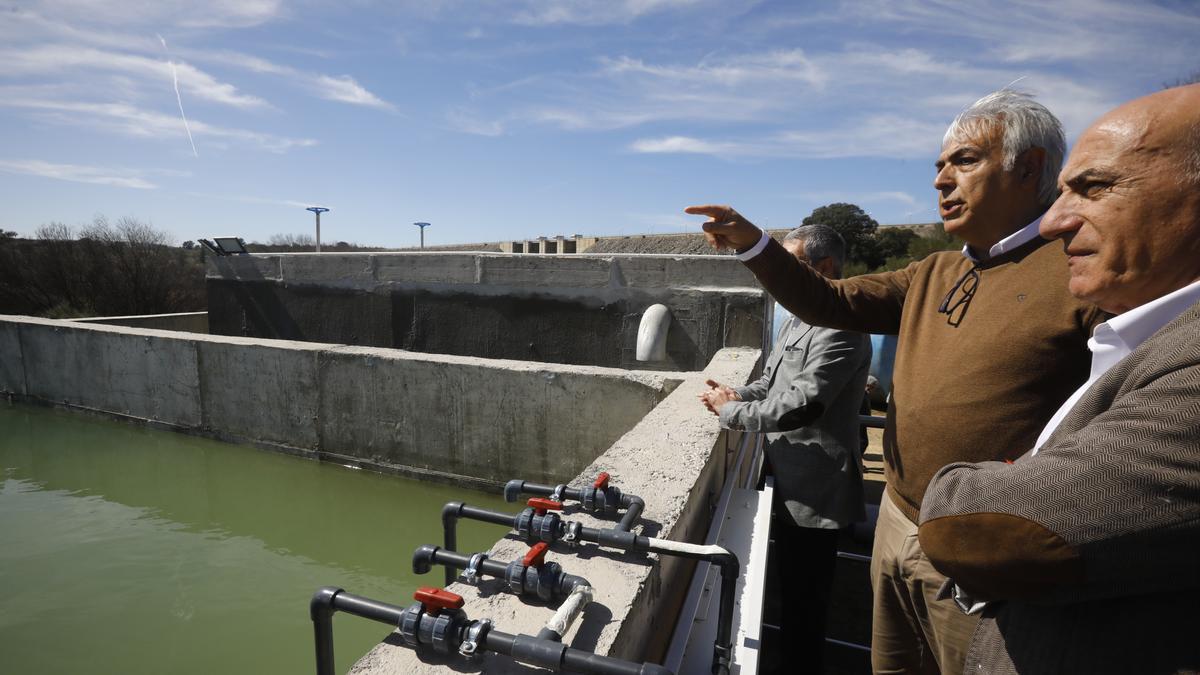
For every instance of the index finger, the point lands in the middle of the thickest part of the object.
(714, 211)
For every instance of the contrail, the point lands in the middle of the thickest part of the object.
(178, 98)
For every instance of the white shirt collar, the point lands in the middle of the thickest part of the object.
(1021, 236)
(1123, 333)
(1116, 338)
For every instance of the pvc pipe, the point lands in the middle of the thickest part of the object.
(633, 504)
(652, 333)
(560, 623)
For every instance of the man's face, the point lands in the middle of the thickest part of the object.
(1129, 221)
(978, 200)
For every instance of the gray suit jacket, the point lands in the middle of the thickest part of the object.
(1090, 549)
(808, 401)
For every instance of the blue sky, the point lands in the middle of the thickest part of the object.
(517, 118)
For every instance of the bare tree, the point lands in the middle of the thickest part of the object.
(124, 268)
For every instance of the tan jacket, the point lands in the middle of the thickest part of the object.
(1090, 549)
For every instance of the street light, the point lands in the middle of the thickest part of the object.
(422, 226)
(318, 210)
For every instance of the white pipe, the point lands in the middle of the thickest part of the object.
(652, 333)
(684, 547)
(570, 609)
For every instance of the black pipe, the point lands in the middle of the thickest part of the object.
(726, 561)
(633, 504)
(518, 487)
(330, 599)
(556, 656)
(452, 511)
(626, 541)
(523, 648)
(427, 555)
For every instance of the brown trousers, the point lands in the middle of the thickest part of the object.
(911, 631)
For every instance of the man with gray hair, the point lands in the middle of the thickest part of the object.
(991, 344)
(807, 403)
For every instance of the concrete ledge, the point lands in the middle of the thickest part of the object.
(127, 371)
(674, 458)
(266, 392)
(572, 309)
(188, 322)
(502, 269)
(435, 416)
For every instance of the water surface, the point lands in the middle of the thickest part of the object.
(130, 550)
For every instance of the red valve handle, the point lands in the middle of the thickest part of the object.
(541, 505)
(601, 481)
(435, 599)
(536, 556)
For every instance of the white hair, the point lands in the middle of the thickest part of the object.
(1025, 124)
(820, 241)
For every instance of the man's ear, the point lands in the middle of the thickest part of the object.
(827, 267)
(1029, 165)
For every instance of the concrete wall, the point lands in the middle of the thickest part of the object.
(440, 416)
(188, 322)
(675, 459)
(575, 309)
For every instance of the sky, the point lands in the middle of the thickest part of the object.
(510, 119)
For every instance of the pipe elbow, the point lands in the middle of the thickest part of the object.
(513, 489)
(422, 560)
(321, 605)
(570, 582)
(652, 333)
(450, 513)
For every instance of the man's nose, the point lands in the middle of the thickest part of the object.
(1058, 220)
(943, 181)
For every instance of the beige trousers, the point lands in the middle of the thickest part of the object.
(912, 631)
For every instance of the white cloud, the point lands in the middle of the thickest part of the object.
(346, 90)
(131, 121)
(774, 66)
(66, 58)
(158, 13)
(342, 88)
(589, 12)
(76, 173)
(688, 145)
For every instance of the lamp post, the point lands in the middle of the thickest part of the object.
(422, 226)
(318, 210)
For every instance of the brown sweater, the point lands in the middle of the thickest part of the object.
(978, 391)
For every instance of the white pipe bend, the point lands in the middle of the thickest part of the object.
(652, 333)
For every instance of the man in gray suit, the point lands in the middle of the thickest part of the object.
(1084, 553)
(807, 402)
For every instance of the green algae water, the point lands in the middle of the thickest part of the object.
(129, 550)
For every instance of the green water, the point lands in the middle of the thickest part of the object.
(127, 550)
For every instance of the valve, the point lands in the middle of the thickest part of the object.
(532, 575)
(601, 481)
(541, 505)
(435, 619)
(536, 556)
(436, 599)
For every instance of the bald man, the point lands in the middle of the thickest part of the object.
(1085, 552)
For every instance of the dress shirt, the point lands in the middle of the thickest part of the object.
(1021, 236)
(1116, 338)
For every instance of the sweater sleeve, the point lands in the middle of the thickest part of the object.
(869, 303)
(1110, 510)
